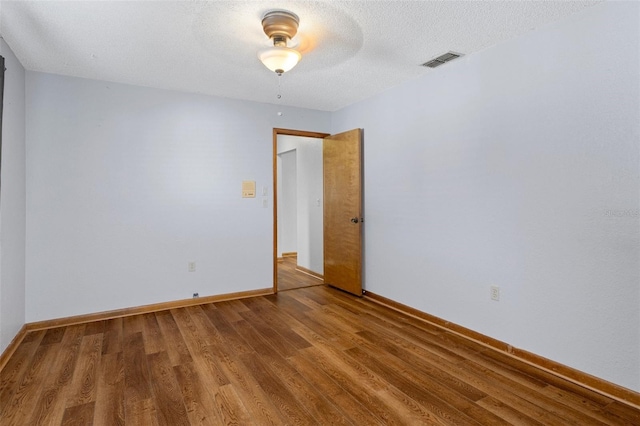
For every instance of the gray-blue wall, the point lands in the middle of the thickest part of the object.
(12, 201)
(518, 167)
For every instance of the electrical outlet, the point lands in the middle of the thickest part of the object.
(495, 293)
(192, 266)
(195, 295)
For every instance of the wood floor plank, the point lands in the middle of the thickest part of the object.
(282, 398)
(266, 312)
(550, 407)
(429, 343)
(583, 405)
(390, 406)
(360, 383)
(318, 407)
(505, 369)
(198, 398)
(109, 408)
(112, 336)
(17, 409)
(53, 335)
(36, 335)
(85, 376)
(423, 367)
(256, 401)
(136, 378)
(307, 301)
(132, 324)
(317, 294)
(15, 368)
(176, 347)
(501, 392)
(448, 409)
(16, 365)
(506, 412)
(312, 355)
(141, 413)
(208, 333)
(310, 320)
(274, 339)
(231, 339)
(231, 309)
(79, 415)
(51, 405)
(152, 335)
(495, 359)
(353, 410)
(170, 408)
(254, 339)
(282, 301)
(199, 333)
(625, 412)
(231, 406)
(289, 278)
(95, 327)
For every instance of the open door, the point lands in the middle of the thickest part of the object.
(342, 160)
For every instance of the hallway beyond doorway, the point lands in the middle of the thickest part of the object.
(290, 278)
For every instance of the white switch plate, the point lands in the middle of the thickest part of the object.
(264, 190)
(192, 266)
(265, 203)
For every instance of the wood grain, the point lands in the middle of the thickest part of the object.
(314, 355)
(290, 277)
(342, 174)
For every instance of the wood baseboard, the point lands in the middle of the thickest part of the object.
(290, 254)
(280, 259)
(611, 390)
(9, 350)
(156, 307)
(309, 272)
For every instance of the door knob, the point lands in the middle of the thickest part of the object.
(354, 220)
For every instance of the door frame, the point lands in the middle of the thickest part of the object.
(288, 132)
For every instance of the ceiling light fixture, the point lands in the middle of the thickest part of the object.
(280, 26)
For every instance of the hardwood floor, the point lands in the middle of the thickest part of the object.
(308, 356)
(290, 278)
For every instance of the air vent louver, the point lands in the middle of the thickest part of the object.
(441, 60)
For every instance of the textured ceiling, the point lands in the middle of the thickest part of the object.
(351, 49)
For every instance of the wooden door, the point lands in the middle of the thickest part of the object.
(342, 158)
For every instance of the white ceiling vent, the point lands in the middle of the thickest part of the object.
(442, 59)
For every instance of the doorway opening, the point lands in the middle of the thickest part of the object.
(297, 209)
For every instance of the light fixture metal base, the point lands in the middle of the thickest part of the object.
(280, 23)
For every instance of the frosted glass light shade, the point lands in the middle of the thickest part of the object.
(279, 59)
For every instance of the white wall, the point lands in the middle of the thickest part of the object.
(127, 184)
(310, 205)
(12, 201)
(287, 203)
(517, 166)
(309, 200)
